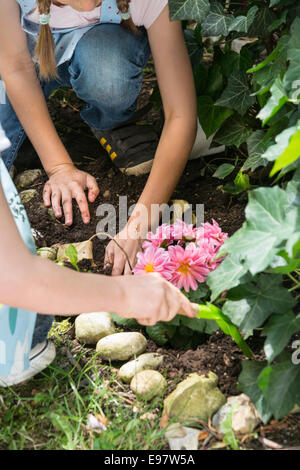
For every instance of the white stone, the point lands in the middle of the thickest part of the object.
(147, 384)
(244, 415)
(48, 253)
(182, 437)
(121, 346)
(149, 361)
(27, 195)
(91, 327)
(25, 179)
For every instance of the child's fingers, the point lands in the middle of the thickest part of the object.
(67, 206)
(93, 189)
(47, 195)
(80, 197)
(55, 200)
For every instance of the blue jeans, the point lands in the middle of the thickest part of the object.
(106, 72)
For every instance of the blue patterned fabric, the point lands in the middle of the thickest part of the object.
(67, 39)
(16, 325)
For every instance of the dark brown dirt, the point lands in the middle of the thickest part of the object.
(219, 353)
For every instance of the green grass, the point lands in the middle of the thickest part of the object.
(51, 410)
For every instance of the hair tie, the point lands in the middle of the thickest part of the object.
(44, 19)
(126, 16)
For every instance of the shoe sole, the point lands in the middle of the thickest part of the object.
(38, 363)
(138, 170)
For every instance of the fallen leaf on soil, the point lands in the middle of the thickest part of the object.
(202, 435)
(164, 419)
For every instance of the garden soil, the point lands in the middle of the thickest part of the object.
(218, 353)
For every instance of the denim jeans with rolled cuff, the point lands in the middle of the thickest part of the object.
(106, 72)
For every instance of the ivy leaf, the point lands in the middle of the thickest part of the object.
(248, 384)
(223, 170)
(227, 275)
(270, 221)
(258, 302)
(211, 117)
(280, 385)
(189, 9)
(255, 151)
(217, 22)
(263, 20)
(290, 154)
(237, 93)
(279, 330)
(292, 77)
(281, 143)
(275, 102)
(234, 131)
(242, 23)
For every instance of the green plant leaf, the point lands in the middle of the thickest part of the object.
(242, 181)
(270, 221)
(275, 103)
(248, 384)
(280, 385)
(217, 22)
(158, 333)
(189, 9)
(223, 170)
(282, 142)
(227, 275)
(234, 131)
(264, 18)
(258, 301)
(278, 331)
(290, 154)
(255, 151)
(291, 79)
(211, 117)
(237, 94)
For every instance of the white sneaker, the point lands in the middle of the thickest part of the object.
(40, 357)
(202, 145)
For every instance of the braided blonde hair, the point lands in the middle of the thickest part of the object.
(44, 50)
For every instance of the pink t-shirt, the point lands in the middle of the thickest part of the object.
(144, 13)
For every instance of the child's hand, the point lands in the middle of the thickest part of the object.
(67, 183)
(115, 257)
(149, 298)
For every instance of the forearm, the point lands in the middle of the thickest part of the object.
(27, 99)
(170, 160)
(42, 286)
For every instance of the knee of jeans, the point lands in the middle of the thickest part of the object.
(107, 87)
(105, 76)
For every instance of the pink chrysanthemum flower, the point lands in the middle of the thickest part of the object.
(162, 237)
(183, 231)
(154, 260)
(209, 251)
(214, 231)
(188, 266)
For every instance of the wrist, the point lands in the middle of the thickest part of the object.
(60, 167)
(119, 299)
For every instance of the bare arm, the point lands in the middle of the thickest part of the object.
(176, 83)
(36, 284)
(25, 94)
